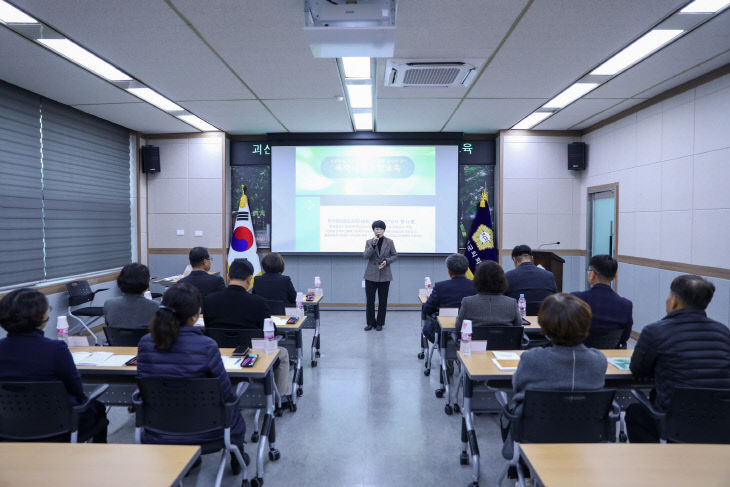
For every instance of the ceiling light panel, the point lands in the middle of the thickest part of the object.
(363, 120)
(198, 123)
(154, 98)
(85, 59)
(570, 94)
(705, 6)
(531, 120)
(11, 15)
(360, 96)
(356, 67)
(637, 50)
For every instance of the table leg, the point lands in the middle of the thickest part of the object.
(468, 434)
(266, 429)
(424, 345)
(315, 338)
(298, 379)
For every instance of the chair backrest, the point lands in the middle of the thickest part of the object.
(124, 337)
(566, 417)
(275, 307)
(180, 406)
(79, 292)
(34, 410)
(233, 337)
(499, 337)
(532, 308)
(698, 416)
(604, 340)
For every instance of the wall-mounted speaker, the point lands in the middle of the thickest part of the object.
(577, 156)
(150, 159)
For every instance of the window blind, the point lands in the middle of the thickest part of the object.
(21, 213)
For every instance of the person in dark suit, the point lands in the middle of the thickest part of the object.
(380, 253)
(528, 279)
(272, 285)
(199, 277)
(27, 355)
(447, 294)
(132, 310)
(683, 349)
(176, 348)
(235, 307)
(610, 311)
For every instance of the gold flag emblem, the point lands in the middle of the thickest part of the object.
(483, 237)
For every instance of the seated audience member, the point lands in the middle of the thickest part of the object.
(566, 366)
(490, 306)
(27, 355)
(528, 279)
(272, 284)
(234, 307)
(683, 349)
(132, 310)
(199, 277)
(447, 294)
(610, 311)
(177, 349)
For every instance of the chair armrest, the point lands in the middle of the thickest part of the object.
(93, 293)
(96, 393)
(525, 340)
(615, 412)
(644, 401)
(240, 389)
(501, 397)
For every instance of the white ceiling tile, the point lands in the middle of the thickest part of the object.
(237, 116)
(576, 112)
(475, 116)
(30, 66)
(148, 40)
(138, 116)
(413, 115)
(312, 115)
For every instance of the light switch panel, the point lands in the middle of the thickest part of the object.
(180, 233)
(198, 233)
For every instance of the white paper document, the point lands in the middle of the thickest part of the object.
(278, 321)
(506, 355)
(231, 362)
(117, 360)
(95, 358)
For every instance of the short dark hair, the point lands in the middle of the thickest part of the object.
(22, 310)
(565, 319)
(604, 265)
(197, 255)
(378, 224)
(457, 264)
(134, 278)
(273, 262)
(179, 303)
(489, 278)
(240, 269)
(693, 291)
(521, 250)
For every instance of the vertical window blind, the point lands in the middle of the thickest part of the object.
(73, 184)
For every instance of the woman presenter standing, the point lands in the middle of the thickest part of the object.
(380, 253)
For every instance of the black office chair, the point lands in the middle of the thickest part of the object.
(190, 407)
(501, 337)
(124, 337)
(559, 417)
(233, 337)
(41, 411)
(694, 416)
(604, 340)
(79, 293)
(533, 308)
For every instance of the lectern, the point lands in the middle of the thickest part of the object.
(551, 262)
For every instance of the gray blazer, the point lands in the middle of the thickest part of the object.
(387, 253)
(129, 311)
(492, 309)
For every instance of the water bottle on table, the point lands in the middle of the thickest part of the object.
(317, 286)
(62, 329)
(300, 305)
(465, 347)
(522, 304)
(427, 283)
(269, 335)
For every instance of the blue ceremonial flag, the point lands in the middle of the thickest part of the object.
(480, 245)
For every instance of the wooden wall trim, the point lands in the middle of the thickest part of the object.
(693, 83)
(566, 252)
(60, 287)
(182, 251)
(548, 133)
(676, 266)
(192, 135)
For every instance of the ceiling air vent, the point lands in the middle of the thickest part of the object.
(420, 74)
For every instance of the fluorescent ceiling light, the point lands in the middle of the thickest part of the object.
(363, 120)
(570, 94)
(154, 98)
(361, 96)
(356, 67)
(81, 56)
(705, 7)
(531, 120)
(197, 123)
(11, 15)
(639, 49)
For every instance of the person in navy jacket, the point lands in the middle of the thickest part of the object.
(272, 284)
(200, 262)
(610, 311)
(447, 294)
(175, 348)
(528, 279)
(27, 355)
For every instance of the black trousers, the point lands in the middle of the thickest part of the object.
(382, 289)
(641, 426)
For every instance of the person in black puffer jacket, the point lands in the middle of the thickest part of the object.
(685, 348)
